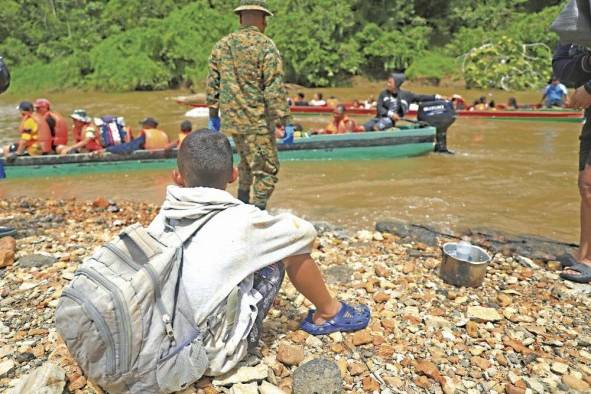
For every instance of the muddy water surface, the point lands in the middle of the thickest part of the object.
(513, 176)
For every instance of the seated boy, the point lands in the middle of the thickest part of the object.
(236, 259)
(186, 128)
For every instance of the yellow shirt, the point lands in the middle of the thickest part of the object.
(30, 134)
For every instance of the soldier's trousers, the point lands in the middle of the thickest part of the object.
(259, 165)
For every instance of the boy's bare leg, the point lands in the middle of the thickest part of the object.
(307, 279)
(585, 188)
(21, 147)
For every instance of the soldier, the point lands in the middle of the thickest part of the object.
(245, 84)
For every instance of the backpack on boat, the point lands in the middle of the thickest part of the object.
(111, 131)
(126, 317)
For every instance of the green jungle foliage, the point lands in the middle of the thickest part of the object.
(159, 44)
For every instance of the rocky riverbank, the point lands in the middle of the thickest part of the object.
(523, 331)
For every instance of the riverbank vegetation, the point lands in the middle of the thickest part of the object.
(158, 44)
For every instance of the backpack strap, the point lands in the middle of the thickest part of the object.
(139, 242)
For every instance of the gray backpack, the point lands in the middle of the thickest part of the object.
(126, 318)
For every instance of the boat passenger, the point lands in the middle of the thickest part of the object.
(56, 122)
(35, 136)
(318, 101)
(555, 94)
(186, 128)
(356, 104)
(301, 100)
(332, 102)
(393, 104)
(341, 123)
(512, 103)
(86, 135)
(370, 103)
(150, 138)
(480, 105)
(458, 102)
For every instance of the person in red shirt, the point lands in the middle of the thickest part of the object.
(56, 122)
(85, 134)
(341, 123)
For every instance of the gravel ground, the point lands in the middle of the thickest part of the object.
(523, 331)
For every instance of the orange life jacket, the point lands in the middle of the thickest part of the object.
(155, 139)
(43, 135)
(60, 132)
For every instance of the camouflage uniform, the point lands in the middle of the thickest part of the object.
(245, 84)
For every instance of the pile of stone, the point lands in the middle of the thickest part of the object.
(523, 331)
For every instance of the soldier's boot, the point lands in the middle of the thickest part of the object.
(244, 196)
(441, 143)
(261, 206)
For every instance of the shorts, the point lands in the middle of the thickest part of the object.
(585, 150)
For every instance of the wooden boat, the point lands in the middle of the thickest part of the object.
(405, 141)
(534, 114)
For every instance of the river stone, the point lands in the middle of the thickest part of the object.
(268, 388)
(338, 274)
(245, 389)
(243, 375)
(409, 231)
(36, 260)
(319, 376)
(47, 379)
(6, 367)
(483, 315)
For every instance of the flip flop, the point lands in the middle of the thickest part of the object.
(7, 231)
(583, 276)
(348, 319)
(567, 260)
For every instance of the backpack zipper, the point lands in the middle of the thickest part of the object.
(98, 319)
(123, 315)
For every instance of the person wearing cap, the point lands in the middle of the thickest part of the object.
(186, 129)
(555, 94)
(246, 85)
(35, 136)
(86, 135)
(150, 138)
(56, 122)
(394, 103)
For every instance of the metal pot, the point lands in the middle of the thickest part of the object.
(464, 273)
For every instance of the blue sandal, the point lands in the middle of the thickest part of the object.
(348, 319)
(7, 232)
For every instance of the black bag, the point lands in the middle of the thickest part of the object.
(4, 76)
(573, 25)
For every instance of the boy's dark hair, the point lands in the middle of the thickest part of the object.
(205, 159)
(301, 95)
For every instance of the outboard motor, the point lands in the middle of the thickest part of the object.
(4, 76)
(441, 115)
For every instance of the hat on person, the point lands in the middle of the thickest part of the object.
(149, 122)
(253, 5)
(81, 116)
(399, 78)
(186, 126)
(25, 106)
(42, 103)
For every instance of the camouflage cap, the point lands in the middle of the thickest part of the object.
(253, 5)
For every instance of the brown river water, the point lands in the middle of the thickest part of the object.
(518, 177)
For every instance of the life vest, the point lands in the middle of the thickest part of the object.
(41, 136)
(59, 128)
(155, 139)
(112, 131)
(182, 137)
(95, 143)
